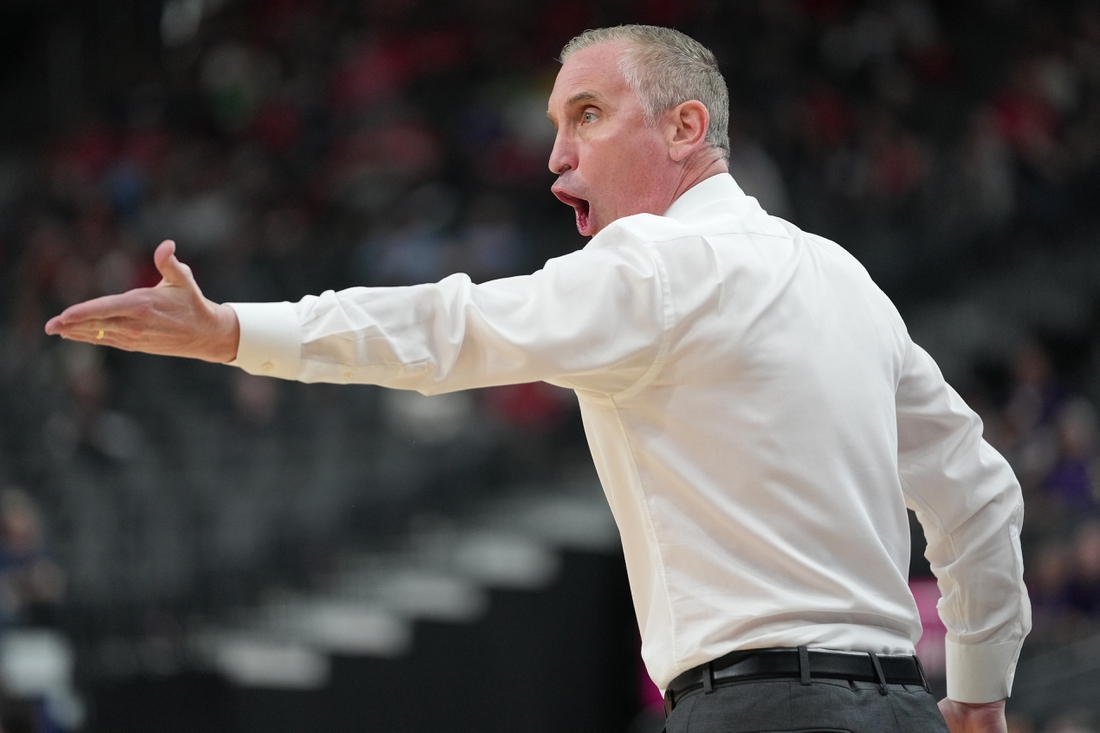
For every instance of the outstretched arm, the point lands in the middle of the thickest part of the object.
(172, 318)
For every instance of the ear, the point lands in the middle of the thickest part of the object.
(688, 123)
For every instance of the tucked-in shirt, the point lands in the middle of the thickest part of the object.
(759, 418)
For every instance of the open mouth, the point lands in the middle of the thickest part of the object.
(581, 207)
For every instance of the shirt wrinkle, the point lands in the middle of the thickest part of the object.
(641, 499)
(668, 311)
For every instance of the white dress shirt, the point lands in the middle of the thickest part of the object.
(758, 416)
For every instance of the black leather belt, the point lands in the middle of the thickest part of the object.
(801, 664)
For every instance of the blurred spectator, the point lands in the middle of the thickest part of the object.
(31, 583)
(85, 422)
(1073, 480)
(1047, 577)
(492, 243)
(531, 418)
(897, 162)
(1035, 399)
(983, 185)
(1084, 585)
(237, 81)
(411, 246)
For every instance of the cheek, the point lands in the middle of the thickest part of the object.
(639, 171)
(623, 173)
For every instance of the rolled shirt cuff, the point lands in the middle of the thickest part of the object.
(979, 673)
(271, 339)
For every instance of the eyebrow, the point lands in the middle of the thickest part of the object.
(581, 97)
(585, 96)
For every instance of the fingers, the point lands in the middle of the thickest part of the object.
(171, 269)
(85, 315)
(100, 333)
(113, 333)
(165, 251)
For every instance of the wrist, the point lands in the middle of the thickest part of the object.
(996, 705)
(974, 717)
(228, 339)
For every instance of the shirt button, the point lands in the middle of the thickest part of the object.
(267, 366)
(348, 375)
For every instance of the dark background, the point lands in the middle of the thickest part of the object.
(294, 146)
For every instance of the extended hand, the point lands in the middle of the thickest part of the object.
(172, 318)
(964, 717)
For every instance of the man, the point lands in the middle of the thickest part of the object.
(756, 410)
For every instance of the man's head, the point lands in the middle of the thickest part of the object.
(642, 115)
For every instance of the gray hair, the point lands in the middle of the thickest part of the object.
(664, 68)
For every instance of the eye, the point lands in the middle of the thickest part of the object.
(588, 117)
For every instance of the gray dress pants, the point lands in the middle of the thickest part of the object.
(824, 706)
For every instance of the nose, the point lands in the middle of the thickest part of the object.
(564, 155)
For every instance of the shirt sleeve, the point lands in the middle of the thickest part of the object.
(969, 503)
(594, 319)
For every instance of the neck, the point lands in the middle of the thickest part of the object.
(696, 172)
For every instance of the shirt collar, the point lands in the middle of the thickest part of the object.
(708, 191)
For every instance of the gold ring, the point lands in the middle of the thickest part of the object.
(99, 336)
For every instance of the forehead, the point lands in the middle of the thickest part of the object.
(593, 70)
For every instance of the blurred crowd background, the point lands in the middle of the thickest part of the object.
(294, 146)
